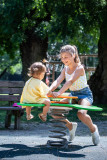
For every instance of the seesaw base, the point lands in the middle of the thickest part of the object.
(60, 111)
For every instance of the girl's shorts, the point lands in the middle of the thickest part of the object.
(84, 93)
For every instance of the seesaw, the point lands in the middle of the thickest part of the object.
(64, 104)
(58, 110)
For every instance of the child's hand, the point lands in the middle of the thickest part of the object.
(50, 93)
(56, 94)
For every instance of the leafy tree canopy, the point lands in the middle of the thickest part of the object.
(78, 22)
(73, 21)
(15, 18)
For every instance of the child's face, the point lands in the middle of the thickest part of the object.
(42, 75)
(67, 58)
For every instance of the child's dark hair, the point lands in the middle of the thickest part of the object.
(36, 68)
(71, 49)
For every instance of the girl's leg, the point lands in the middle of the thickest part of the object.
(28, 110)
(46, 107)
(43, 115)
(69, 124)
(86, 119)
(28, 113)
(72, 126)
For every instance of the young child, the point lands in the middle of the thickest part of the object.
(35, 90)
(74, 74)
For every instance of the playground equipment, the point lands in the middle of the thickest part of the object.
(58, 112)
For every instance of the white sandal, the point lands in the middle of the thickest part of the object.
(95, 136)
(42, 117)
(72, 132)
(29, 116)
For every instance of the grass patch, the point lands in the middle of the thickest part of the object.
(99, 115)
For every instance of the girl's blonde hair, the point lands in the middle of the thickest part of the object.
(71, 49)
(36, 68)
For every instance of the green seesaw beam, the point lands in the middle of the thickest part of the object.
(76, 106)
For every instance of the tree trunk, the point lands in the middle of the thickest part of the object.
(98, 82)
(33, 50)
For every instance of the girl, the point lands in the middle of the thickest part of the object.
(74, 74)
(35, 90)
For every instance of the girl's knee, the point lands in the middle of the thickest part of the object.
(47, 102)
(81, 114)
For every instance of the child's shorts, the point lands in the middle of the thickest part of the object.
(84, 93)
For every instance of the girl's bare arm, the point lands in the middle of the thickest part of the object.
(57, 82)
(67, 85)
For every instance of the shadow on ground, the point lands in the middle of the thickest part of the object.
(14, 150)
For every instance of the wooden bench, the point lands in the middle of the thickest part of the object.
(10, 92)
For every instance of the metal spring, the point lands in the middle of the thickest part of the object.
(58, 130)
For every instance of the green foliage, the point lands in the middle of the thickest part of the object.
(12, 65)
(65, 21)
(70, 16)
(16, 17)
(11, 17)
(87, 43)
(77, 22)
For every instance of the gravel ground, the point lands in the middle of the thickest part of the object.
(30, 143)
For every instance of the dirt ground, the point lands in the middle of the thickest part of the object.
(30, 143)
